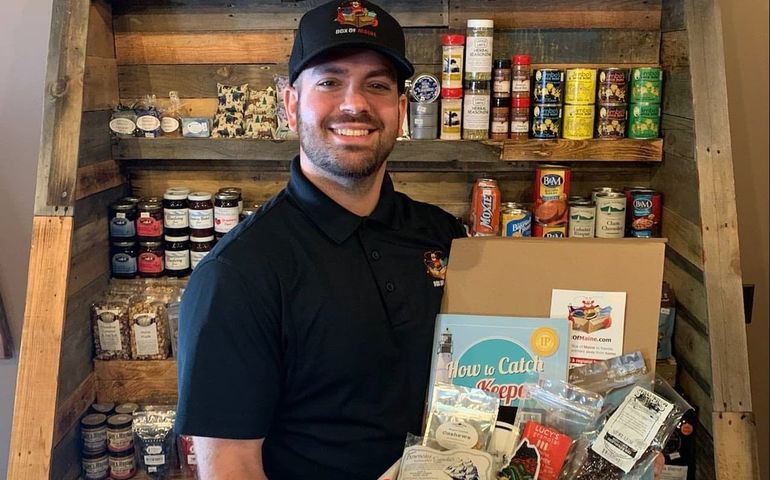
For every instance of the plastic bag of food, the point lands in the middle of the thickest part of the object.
(420, 462)
(460, 417)
(154, 439)
(110, 328)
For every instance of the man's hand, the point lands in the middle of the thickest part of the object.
(226, 459)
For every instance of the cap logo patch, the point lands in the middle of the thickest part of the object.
(436, 263)
(356, 15)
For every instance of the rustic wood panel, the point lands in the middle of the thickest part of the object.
(62, 108)
(65, 458)
(196, 48)
(676, 176)
(95, 142)
(92, 208)
(73, 407)
(672, 17)
(674, 49)
(233, 15)
(704, 454)
(625, 14)
(697, 397)
(677, 92)
(140, 381)
(90, 234)
(36, 387)
(88, 265)
(692, 347)
(97, 177)
(100, 41)
(678, 135)
(684, 237)
(734, 432)
(627, 150)
(100, 90)
(689, 292)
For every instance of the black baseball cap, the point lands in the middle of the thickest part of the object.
(341, 24)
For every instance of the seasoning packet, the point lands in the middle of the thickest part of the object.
(460, 417)
(154, 439)
(420, 462)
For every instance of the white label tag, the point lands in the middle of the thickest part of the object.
(146, 334)
(109, 330)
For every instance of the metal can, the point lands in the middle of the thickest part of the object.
(645, 210)
(549, 231)
(580, 86)
(610, 214)
(613, 85)
(516, 220)
(582, 217)
(485, 208)
(547, 85)
(546, 121)
(646, 83)
(426, 88)
(551, 193)
(644, 120)
(596, 190)
(611, 121)
(578, 123)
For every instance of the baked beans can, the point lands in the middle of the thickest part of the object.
(516, 220)
(547, 85)
(613, 85)
(549, 231)
(611, 121)
(645, 207)
(485, 208)
(644, 120)
(646, 84)
(578, 122)
(582, 217)
(580, 86)
(551, 193)
(610, 214)
(546, 121)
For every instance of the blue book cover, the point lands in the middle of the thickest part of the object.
(499, 353)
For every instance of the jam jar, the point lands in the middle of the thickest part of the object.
(123, 259)
(176, 221)
(201, 214)
(122, 219)
(236, 191)
(199, 247)
(177, 255)
(149, 222)
(150, 259)
(226, 212)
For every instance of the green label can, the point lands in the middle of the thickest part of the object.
(646, 84)
(578, 122)
(644, 120)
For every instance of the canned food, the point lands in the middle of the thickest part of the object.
(546, 121)
(645, 208)
(485, 208)
(549, 231)
(644, 120)
(610, 214)
(516, 220)
(596, 190)
(578, 123)
(547, 85)
(551, 192)
(613, 85)
(426, 88)
(582, 217)
(646, 84)
(611, 122)
(580, 86)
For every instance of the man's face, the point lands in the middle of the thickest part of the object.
(348, 112)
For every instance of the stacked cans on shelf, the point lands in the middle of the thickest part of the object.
(107, 442)
(644, 110)
(579, 95)
(547, 87)
(611, 97)
(424, 107)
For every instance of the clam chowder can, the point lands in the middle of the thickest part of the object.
(610, 214)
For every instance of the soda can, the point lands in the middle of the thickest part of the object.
(551, 192)
(549, 231)
(582, 217)
(485, 208)
(610, 214)
(645, 208)
(516, 220)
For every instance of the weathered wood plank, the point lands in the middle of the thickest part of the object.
(678, 135)
(704, 454)
(90, 234)
(100, 90)
(674, 49)
(734, 432)
(62, 108)
(91, 209)
(626, 14)
(136, 381)
(95, 141)
(36, 387)
(697, 397)
(692, 347)
(672, 17)
(89, 265)
(676, 176)
(65, 458)
(98, 177)
(100, 41)
(73, 407)
(677, 92)
(196, 48)
(684, 237)
(689, 292)
(584, 150)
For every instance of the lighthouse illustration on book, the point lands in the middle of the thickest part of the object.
(444, 357)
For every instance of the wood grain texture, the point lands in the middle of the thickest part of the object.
(698, 398)
(90, 209)
(100, 90)
(65, 457)
(70, 411)
(677, 92)
(704, 454)
(140, 381)
(97, 177)
(100, 40)
(684, 237)
(678, 135)
(36, 387)
(734, 432)
(627, 150)
(672, 17)
(674, 49)
(95, 141)
(62, 108)
(677, 177)
(692, 347)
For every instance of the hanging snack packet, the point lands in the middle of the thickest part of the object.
(460, 417)
(154, 439)
(607, 376)
(425, 463)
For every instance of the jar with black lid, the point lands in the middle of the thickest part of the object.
(177, 255)
(237, 191)
(226, 212)
(122, 464)
(120, 436)
(176, 220)
(96, 466)
(199, 248)
(93, 433)
(105, 408)
(123, 259)
(122, 219)
(150, 259)
(133, 200)
(149, 222)
(201, 214)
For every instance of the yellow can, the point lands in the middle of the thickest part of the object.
(578, 122)
(580, 86)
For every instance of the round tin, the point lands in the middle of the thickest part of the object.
(95, 466)
(610, 214)
(578, 122)
(613, 85)
(126, 408)
(547, 85)
(93, 432)
(546, 121)
(611, 121)
(580, 86)
(120, 437)
(582, 217)
(644, 120)
(549, 231)
(516, 220)
(426, 88)
(646, 84)
(595, 191)
(645, 207)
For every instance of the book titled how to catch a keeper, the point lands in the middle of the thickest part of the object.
(498, 353)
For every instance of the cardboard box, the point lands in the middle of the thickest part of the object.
(515, 276)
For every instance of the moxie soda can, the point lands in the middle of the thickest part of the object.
(485, 208)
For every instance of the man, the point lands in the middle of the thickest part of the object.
(305, 335)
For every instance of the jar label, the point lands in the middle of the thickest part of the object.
(476, 112)
(150, 263)
(169, 124)
(501, 86)
(120, 440)
(175, 218)
(201, 219)
(499, 126)
(123, 126)
(519, 126)
(94, 440)
(225, 218)
(196, 257)
(179, 260)
(520, 86)
(120, 226)
(146, 334)
(452, 69)
(478, 57)
(109, 330)
(451, 116)
(148, 123)
(154, 459)
(582, 221)
(610, 217)
(147, 226)
(123, 264)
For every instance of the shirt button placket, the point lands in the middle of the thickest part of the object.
(376, 255)
(389, 286)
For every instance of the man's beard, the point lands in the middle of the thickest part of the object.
(325, 156)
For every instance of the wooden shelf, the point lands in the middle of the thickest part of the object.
(173, 475)
(422, 152)
(139, 381)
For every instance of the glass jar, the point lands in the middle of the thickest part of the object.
(520, 76)
(452, 52)
(501, 110)
(149, 222)
(519, 118)
(122, 219)
(93, 433)
(123, 259)
(476, 110)
(176, 220)
(501, 78)
(95, 465)
(123, 464)
(150, 259)
(120, 437)
(199, 248)
(478, 49)
(201, 214)
(451, 114)
(177, 255)
(236, 191)
(226, 212)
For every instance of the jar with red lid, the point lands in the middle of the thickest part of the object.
(520, 76)
(150, 259)
(149, 220)
(452, 54)
(520, 118)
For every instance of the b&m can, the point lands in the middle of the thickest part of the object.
(485, 208)
(645, 207)
(516, 220)
(549, 231)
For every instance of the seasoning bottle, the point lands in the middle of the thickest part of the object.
(150, 259)
(226, 213)
(520, 72)
(451, 113)
(500, 118)
(478, 49)
(519, 118)
(199, 248)
(171, 117)
(175, 211)
(501, 78)
(149, 222)
(177, 255)
(476, 110)
(452, 52)
(201, 213)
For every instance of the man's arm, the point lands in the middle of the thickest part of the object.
(226, 459)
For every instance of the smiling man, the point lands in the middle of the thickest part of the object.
(305, 335)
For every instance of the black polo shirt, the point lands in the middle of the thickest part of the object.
(312, 327)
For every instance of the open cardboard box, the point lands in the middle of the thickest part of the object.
(515, 277)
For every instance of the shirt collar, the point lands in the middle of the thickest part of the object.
(334, 220)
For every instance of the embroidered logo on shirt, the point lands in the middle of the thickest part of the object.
(435, 263)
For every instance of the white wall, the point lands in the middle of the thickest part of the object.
(24, 27)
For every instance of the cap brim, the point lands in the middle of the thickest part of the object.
(404, 68)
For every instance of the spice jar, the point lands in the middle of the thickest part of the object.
(175, 211)
(501, 78)
(500, 118)
(122, 219)
(149, 222)
(120, 437)
(201, 214)
(150, 259)
(177, 255)
(236, 191)
(520, 81)
(226, 212)
(122, 464)
(452, 52)
(95, 465)
(519, 118)
(451, 113)
(123, 259)
(478, 49)
(199, 247)
(476, 110)
(93, 433)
